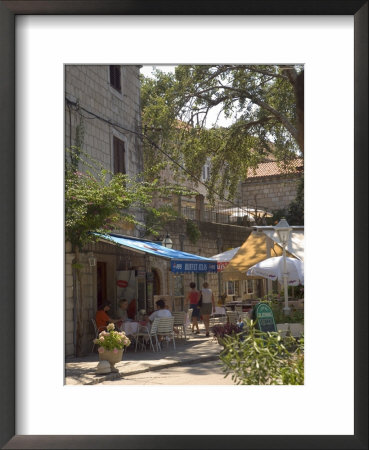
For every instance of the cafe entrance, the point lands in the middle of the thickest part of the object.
(156, 283)
(101, 283)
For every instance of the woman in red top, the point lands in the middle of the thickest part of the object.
(192, 299)
(102, 319)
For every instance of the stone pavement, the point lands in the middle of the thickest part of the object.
(196, 349)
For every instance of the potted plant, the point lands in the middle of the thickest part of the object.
(111, 345)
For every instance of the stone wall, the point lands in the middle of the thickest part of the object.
(89, 308)
(215, 237)
(89, 86)
(270, 193)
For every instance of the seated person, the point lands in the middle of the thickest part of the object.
(145, 320)
(102, 319)
(142, 317)
(131, 310)
(161, 311)
(122, 309)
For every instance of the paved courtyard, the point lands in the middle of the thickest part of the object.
(196, 349)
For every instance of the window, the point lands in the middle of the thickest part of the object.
(237, 288)
(230, 287)
(250, 286)
(119, 156)
(115, 78)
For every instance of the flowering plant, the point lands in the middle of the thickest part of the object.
(226, 329)
(112, 340)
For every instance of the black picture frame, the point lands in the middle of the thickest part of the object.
(8, 11)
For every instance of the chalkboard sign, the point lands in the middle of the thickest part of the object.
(264, 316)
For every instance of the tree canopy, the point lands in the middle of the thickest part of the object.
(264, 105)
(97, 200)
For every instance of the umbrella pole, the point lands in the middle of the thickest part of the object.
(286, 308)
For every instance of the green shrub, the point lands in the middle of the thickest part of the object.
(192, 231)
(295, 316)
(261, 358)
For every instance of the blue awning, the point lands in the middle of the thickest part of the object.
(181, 262)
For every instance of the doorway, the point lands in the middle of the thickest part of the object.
(101, 283)
(156, 283)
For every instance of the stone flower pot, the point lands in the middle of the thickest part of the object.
(111, 357)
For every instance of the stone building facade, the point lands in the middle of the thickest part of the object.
(96, 116)
(102, 115)
(103, 118)
(102, 109)
(271, 186)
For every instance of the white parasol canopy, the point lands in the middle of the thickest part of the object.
(249, 212)
(224, 258)
(272, 269)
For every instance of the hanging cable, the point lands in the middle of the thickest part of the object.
(78, 108)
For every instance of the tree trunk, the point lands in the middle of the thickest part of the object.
(299, 94)
(79, 306)
(297, 81)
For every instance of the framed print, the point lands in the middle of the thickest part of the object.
(336, 415)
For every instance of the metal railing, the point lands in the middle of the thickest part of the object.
(237, 216)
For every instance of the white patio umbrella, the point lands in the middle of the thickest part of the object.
(224, 258)
(272, 269)
(242, 211)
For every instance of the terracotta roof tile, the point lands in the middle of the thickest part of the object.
(273, 168)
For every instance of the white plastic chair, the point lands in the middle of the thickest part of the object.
(96, 332)
(165, 329)
(232, 316)
(238, 309)
(180, 322)
(149, 333)
(245, 316)
(217, 320)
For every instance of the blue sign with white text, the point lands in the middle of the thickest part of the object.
(193, 266)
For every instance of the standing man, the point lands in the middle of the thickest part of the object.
(208, 306)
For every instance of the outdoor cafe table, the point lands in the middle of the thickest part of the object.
(231, 305)
(219, 310)
(129, 327)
